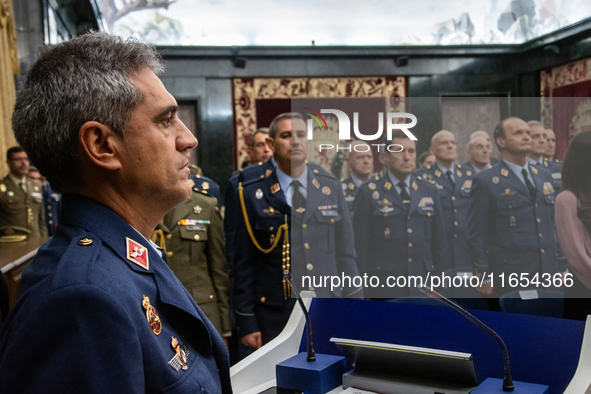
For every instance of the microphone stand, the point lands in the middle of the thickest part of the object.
(311, 354)
(507, 379)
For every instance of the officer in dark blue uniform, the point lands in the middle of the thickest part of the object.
(511, 214)
(553, 165)
(487, 145)
(398, 224)
(203, 184)
(99, 311)
(454, 183)
(479, 149)
(303, 227)
(360, 163)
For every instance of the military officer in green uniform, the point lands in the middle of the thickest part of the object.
(21, 201)
(193, 237)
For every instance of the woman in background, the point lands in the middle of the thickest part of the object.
(573, 225)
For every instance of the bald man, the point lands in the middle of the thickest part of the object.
(454, 184)
(486, 136)
(479, 150)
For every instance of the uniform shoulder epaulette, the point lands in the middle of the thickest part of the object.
(83, 246)
(318, 170)
(202, 184)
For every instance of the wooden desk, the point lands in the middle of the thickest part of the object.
(14, 257)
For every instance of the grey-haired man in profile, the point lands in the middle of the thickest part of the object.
(99, 311)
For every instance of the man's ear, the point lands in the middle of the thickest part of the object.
(500, 142)
(99, 143)
(270, 143)
(432, 150)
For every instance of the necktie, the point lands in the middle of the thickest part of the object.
(22, 186)
(531, 188)
(298, 202)
(404, 194)
(453, 185)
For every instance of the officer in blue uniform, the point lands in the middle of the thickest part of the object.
(99, 311)
(479, 149)
(553, 165)
(491, 160)
(511, 214)
(203, 184)
(360, 162)
(454, 183)
(51, 200)
(303, 227)
(398, 224)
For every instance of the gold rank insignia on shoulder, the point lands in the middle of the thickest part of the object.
(387, 185)
(152, 316)
(495, 179)
(85, 242)
(545, 163)
(351, 185)
(197, 209)
(469, 173)
(258, 194)
(205, 185)
(315, 183)
(275, 188)
(437, 173)
(504, 172)
(371, 185)
(268, 172)
(459, 174)
(2, 187)
(326, 190)
(414, 186)
(534, 169)
(377, 177)
(191, 182)
(137, 254)
(180, 359)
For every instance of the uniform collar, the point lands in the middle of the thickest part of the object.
(395, 180)
(445, 170)
(517, 169)
(285, 180)
(356, 180)
(533, 162)
(16, 180)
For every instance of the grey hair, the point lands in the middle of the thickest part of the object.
(279, 118)
(534, 123)
(81, 80)
(262, 130)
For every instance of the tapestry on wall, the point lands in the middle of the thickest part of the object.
(566, 102)
(258, 100)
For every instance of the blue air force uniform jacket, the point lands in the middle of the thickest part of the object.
(555, 168)
(454, 203)
(393, 241)
(80, 326)
(207, 186)
(320, 244)
(507, 232)
(349, 191)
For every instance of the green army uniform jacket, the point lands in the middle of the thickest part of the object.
(20, 211)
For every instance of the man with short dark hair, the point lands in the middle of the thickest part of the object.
(21, 203)
(511, 214)
(360, 163)
(99, 311)
(304, 201)
(398, 223)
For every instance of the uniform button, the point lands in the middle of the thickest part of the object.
(409, 230)
(49, 207)
(271, 228)
(408, 217)
(378, 267)
(211, 296)
(455, 223)
(262, 176)
(410, 244)
(196, 237)
(310, 267)
(455, 210)
(540, 234)
(409, 260)
(51, 222)
(538, 219)
(536, 205)
(332, 220)
(304, 225)
(306, 246)
(428, 213)
(455, 235)
(263, 299)
(50, 214)
(168, 236)
(169, 254)
(542, 250)
(453, 198)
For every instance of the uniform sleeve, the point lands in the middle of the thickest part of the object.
(218, 270)
(478, 212)
(573, 237)
(439, 246)
(77, 340)
(345, 250)
(243, 278)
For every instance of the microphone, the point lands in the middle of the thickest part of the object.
(311, 354)
(507, 380)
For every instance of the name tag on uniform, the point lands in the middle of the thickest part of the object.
(556, 175)
(425, 201)
(192, 222)
(329, 212)
(37, 195)
(196, 228)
